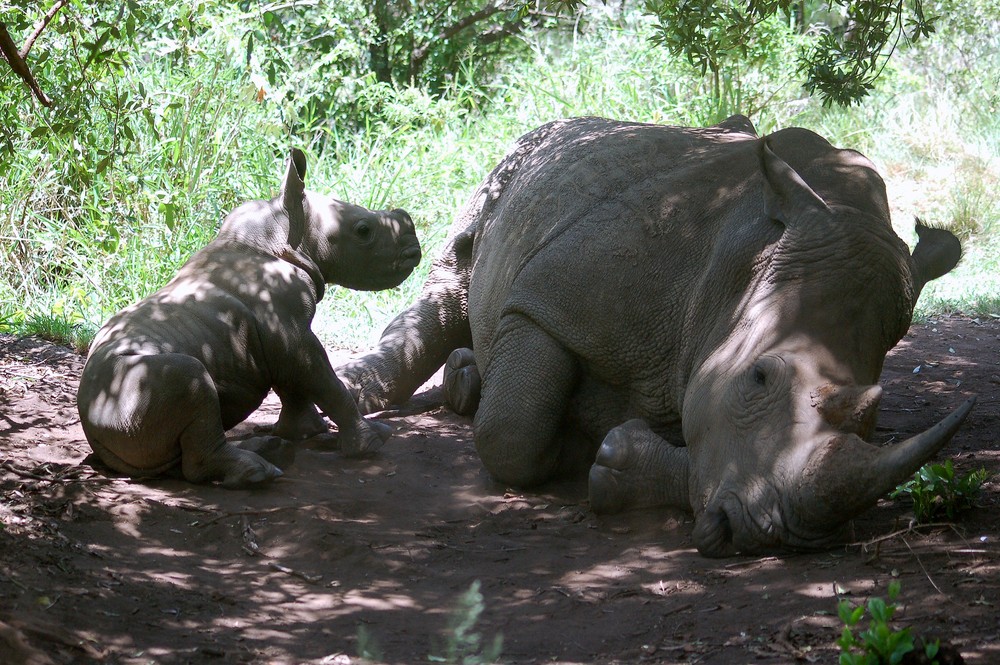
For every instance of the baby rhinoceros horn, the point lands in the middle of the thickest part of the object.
(848, 475)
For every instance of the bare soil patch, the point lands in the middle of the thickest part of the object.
(97, 569)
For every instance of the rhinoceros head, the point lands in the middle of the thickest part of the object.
(333, 241)
(352, 246)
(777, 413)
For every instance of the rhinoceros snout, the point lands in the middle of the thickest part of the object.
(410, 256)
(713, 533)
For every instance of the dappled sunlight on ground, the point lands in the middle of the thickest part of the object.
(167, 572)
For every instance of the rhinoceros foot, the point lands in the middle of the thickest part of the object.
(233, 466)
(297, 423)
(364, 440)
(462, 383)
(252, 474)
(636, 468)
(276, 450)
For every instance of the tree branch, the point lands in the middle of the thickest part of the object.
(512, 28)
(421, 52)
(40, 26)
(16, 62)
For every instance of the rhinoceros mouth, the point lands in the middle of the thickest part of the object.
(408, 263)
(730, 526)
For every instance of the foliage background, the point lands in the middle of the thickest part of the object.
(167, 115)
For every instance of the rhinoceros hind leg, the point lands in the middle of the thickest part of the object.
(233, 466)
(462, 383)
(636, 468)
(279, 452)
(249, 470)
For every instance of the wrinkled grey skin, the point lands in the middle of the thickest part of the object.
(615, 281)
(168, 376)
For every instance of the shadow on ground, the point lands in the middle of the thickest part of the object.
(100, 569)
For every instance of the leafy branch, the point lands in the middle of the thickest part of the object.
(841, 65)
(17, 58)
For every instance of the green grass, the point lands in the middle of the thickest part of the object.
(78, 242)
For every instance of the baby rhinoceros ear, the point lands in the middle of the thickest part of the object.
(293, 190)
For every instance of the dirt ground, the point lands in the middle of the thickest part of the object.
(340, 556)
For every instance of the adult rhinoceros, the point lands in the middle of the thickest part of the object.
(615, 279)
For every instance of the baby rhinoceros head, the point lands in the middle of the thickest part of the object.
(351, 245)
(360, 248)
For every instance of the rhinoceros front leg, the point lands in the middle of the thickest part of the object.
(526, 390)
(145, 415)
(417, 342)
(298, 418)
(316, 383)
(636, 468)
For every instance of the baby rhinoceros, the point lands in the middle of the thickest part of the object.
(169, 375)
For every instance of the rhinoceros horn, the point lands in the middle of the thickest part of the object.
(850, 475)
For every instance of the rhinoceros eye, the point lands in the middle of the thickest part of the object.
(759, 377)
(363, 231)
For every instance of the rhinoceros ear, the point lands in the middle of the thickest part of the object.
(787, 197)
(936, 253)
(294, 183)
(293, 194)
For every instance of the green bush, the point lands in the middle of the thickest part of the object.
(937, 492)
(879, 643)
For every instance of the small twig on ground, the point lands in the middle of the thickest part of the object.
(927, 574)
(250, 545)
(60, 477)
(911, 528)
(312, 579)
(13, 580)
(751, 562)
(7, 466)
(241, 513)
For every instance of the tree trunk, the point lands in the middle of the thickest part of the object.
(378, 49)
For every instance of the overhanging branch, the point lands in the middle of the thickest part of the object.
(420, 53)
(17, 64)
(40, 26)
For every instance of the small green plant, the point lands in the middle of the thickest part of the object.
(461, 644)
(878, 644)
(368, 648)
(937, 491)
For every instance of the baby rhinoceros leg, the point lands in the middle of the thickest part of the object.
(299, 418)
(462, 383)
(276, 450)
(146, 415)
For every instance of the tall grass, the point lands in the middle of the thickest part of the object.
(76, 249)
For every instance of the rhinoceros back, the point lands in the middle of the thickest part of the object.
(600, 217)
